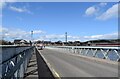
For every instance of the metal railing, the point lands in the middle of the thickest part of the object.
(14, 66)
(110, 53)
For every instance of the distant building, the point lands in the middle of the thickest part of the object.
(20, 42)
(103, 43)
(46, 43)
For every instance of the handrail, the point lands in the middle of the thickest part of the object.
(109, 53)
(87, 47)
(10, 46)
(14, 64)
(14, 56)
(13, 70)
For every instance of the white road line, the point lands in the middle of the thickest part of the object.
(56, 75)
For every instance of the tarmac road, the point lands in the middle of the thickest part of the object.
(67, 65)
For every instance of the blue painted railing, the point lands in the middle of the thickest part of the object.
(109, 53)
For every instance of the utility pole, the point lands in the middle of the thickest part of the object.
(32, 37)
(66, 37)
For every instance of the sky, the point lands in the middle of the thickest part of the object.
(49, 21)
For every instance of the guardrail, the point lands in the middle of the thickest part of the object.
(110, 53)
(14, 61)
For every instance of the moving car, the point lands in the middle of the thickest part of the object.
(40, 47)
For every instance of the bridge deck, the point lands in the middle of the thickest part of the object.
(67, 65)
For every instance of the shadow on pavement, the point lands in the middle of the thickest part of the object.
(32, 69)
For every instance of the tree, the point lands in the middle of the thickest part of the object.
(3, 42)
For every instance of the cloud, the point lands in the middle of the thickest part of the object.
(56, 37)
(20, 10)
(90, 11)
(110, 13)
(38, 32)
(95, 9)
(2, 29)
(3, 3)
(100, 14)
(21, 34)
(8, 0)
(17, 9)
(102, 4)
(104, 36)
(18, 33)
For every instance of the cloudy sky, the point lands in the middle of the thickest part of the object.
(50, 20)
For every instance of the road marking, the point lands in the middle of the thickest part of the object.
(55, 74)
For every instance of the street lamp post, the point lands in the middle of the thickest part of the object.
(66, 37)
